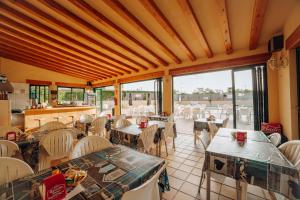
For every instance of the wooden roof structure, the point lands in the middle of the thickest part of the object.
(105, 39)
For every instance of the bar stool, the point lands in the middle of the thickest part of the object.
(72, 117)
(39, 121)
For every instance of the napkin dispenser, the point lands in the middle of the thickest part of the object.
(54, 187)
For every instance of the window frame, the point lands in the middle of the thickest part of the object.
(71, 93)
(101, 98)
(38, 88)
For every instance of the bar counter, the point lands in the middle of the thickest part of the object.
(34, 118)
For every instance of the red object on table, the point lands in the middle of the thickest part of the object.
(143, 124)
(54, 187)
(11, 136)
(269, 128)
(241, 136)
(109, 116)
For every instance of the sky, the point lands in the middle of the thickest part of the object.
(189, 83)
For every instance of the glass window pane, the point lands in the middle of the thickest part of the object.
(64, 95)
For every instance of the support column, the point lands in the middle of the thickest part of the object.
(167, 94)
(117, 99)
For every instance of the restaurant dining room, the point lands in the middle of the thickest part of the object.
(149, 99)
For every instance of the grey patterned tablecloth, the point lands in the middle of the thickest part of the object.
(257, 161)
(202, 124)
(111, 172)
(158, 118)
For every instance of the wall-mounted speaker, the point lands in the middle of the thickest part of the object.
(275, 44)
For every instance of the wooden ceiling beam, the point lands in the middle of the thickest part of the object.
(259, 10)
(5, 30)
(25, 45)
(192, 19)
(139, 26)
(39, 64)
(42, 54)
(156, 13)
(224, 24)
(54, 64)
(293, 41)
(65, 41)
(43, 37)
(80, 22)
(93, 13)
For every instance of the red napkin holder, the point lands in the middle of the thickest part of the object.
(54, 187)
(241, 136)
(109, 116)
(143, 124)
(11, 136)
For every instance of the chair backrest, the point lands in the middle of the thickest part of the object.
(102, 114)
(147, 191)
(275, 138)
(225, 122)
(205, 139)
(89, 145)
(6, 129)
(51, 126)
(12, 169)
(213, 129)
(8, 148)
(171, 118)
(122, 123)
(140, 119)
(169, 130)
(147, 136)
(150, 114)
(291, 150)
(58, 144)
(99, 126)
(85, 118)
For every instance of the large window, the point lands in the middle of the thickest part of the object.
(105, 99)
(140, 98)
(39, 92)
(68, 95)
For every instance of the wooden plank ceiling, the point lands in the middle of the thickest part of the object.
(99, 40)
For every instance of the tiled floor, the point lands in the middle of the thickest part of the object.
(185, 168)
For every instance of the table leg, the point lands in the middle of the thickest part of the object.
(244, 190)
(207, 184)
(159, 148)
(238, 189)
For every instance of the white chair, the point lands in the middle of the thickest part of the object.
(89, 145)
(168, 132)
(171, 118)
(85, 118)
(213, 129)
(12, 169)
(275, 138)
(8, 148)
(147, 191)
(116, 118)
(291, 150)
(150, 114)
(57, 144)
(6, 129)
(140, 119)
(147, 137)
(225, 122)
(98, 126)
(122, 123)
(51, 126)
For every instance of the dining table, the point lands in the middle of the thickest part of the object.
(129, 135)
(110, 173)
(254, 161)
(158, 118)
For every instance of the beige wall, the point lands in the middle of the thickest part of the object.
(273, 95)
(18, 72)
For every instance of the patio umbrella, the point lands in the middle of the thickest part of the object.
(130, 99)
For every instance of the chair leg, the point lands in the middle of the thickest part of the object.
(201, 180)
(166, 147)
(173, 143)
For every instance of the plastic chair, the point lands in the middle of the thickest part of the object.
(98, 126)
(122, 123)
(51, 126)
(85, 118)
(150, 114)
(291, 150)
(147, 137)
(5, 129)
(57, 144)
(225, 122)
(213, 129)
(275, 138)
(89, 145)
(12, 169)
(147, 191)
(8, 148)
(171, 118)
(168, 132)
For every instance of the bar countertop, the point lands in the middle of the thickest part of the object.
(57, 110)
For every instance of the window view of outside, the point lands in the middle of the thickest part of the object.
(67, 96)
(138, 98)
(105, 99)
(39, 92)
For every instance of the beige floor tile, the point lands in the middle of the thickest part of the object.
(189, 189)
(193, 179)
(187, 151)
(180, 174)
(170, 170)
(182, 155)
(228, 192)
(190, 163)
(193, 158)
(202, 195)
(185, 168)
(183, 196)
(174, 164)
(169, 195)
(257, 191)
(197, 171)
(229, 182)
(175, 182)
